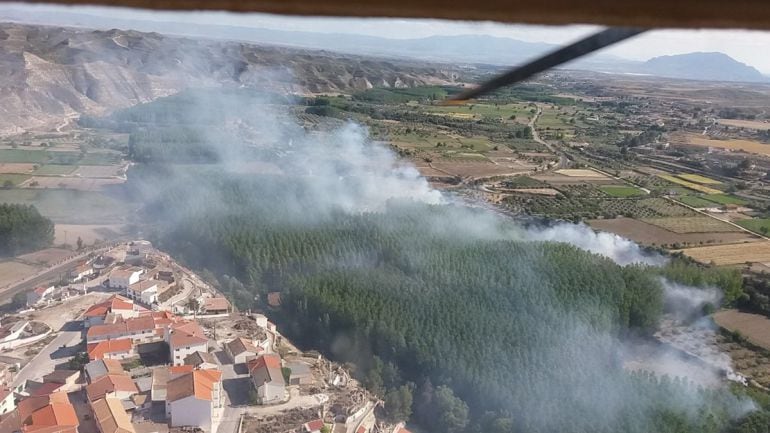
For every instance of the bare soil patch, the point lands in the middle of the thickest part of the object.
(69, 233)
(11, 271)
(580, 172)
(481, 169)
(10, 167)
(755, 327)
(98, 170)
(47, 256)
(648, 234)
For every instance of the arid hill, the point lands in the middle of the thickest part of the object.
(53, 74)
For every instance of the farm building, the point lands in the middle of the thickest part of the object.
(267, 378)
(195, 399)
(241, 350)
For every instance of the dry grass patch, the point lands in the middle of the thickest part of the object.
(580, 172)
(732, 144)
(734, 254)
(750, 124)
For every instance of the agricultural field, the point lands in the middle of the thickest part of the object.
(734, 254)
(730, 144)
(23, 156)
(699, 179)
(724, 199)
(69, 206)
(581, 173)
(11, 180)
(46, 257)
(55, 170)
(689, 185)
(753, 327)
(695, 224)
(757, 225)
(749, 124)
(514, 113)
(695, 201)
(621, 191)
(649, 234)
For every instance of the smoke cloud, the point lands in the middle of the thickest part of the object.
(332, 166)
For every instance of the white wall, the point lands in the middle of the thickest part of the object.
(271, 393)
(190, 411)
(180, 353)
(7, 404)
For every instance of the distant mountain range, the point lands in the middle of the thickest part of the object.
(702, 66)
(464, 49)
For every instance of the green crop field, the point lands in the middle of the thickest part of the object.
(695, 201)
(724, 199)
(54, 170)
(23, 155)
(621, 191)
(14, 179)
(757, 225)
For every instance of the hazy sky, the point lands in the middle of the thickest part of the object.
(746, 46)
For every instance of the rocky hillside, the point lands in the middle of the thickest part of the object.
(51, 75)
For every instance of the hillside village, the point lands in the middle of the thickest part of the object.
(136, 343)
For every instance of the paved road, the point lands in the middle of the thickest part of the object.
(50, 356)
(45, 275)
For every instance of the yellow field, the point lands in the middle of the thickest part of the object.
(733, 254)
(734, 144)
(751, 124)
(699, 179)
(690, 185)
(577, 172)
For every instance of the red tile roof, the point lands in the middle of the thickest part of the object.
(45, 389)
(102, 348)
(315, 425)
(47, 414)
(269, 361)
(186, 334)
(198, 383)
(110, 383)
(216, 304)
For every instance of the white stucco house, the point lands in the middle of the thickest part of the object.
(123, 278)
(267, 378)
(195, 399)
(184, 339)
(145, 291)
